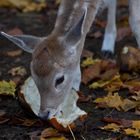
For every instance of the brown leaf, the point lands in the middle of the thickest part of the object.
(20, 71)
(14, 53)
(123, 122)
(15, 31)
(51, 134)
(90, 73)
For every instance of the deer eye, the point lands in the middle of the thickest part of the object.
(59, 81)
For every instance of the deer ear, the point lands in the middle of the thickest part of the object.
(75, 33)
(25, 42)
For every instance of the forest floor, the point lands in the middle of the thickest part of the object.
(12, 124)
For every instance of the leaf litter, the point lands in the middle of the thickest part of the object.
(113, 77)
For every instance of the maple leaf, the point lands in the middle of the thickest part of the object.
(132, 132)
(110, 85)
(113, 101)
(112, 127)
(7, 88)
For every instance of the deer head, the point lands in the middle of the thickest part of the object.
(55, 64)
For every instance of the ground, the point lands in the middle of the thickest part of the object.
(41, 24)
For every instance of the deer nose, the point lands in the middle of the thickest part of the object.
(44, 116)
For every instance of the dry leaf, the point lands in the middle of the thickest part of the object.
(128, 105)
(14, 53)
(132, 132)
(15, 31)
(89, 61)
(25, 5)
(122, 122)
(111, 85)
(113, 101)
(51, 134)
(112, 127)
(90, 73)
(21, 71)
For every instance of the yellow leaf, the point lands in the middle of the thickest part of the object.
(110, 100)
(132, 132)
(136, 124)
(111, 85)
(112, 127)
(7, 88)
(89, 61)
(25, 5)
(128, 104)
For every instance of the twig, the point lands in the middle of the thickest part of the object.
(71, 133)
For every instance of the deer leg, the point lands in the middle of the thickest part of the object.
(134, 18)
(110, 31)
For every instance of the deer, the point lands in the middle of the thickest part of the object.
(55, 65)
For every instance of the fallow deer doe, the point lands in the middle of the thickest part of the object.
(55, 65)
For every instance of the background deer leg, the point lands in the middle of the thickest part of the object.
(110, 31)
(134, 18)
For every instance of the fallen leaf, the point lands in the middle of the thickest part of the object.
(24, 5)
(123, 122)
(51, 134)
(128, 105)
(89, 61)
(21, 71)
(14, 53)
(136, 124)
(112, 127)
(90, 73)
(7, 88)
(15, 31)
(132, 132)
(113, 101)
(110, 85)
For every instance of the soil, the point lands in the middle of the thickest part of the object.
(41, 24)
